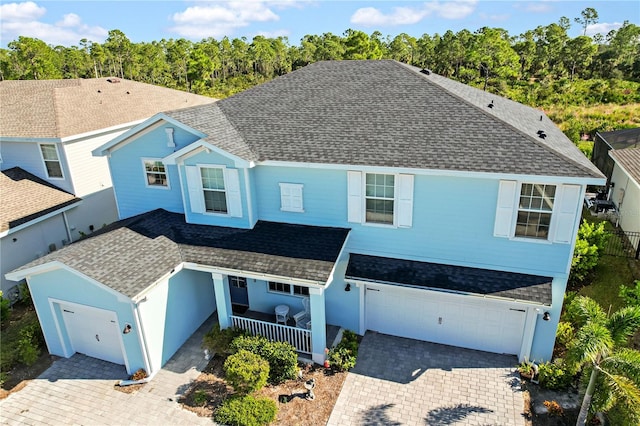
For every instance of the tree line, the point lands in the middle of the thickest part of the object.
(533, 67)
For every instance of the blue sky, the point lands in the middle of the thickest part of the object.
(66, 22)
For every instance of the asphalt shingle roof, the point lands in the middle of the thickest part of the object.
(629, 159)
(387, 114)
(60, 108)
(26, 197)
(133, 253)
(509, 285)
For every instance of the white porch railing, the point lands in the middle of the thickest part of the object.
(298, 337)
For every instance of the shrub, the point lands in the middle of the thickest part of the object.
(594, 234)
(555, 375)
(5, 308)
(246, 411)
(246, 371)
(564, 334)
(218, 341)
(281, 356)
(25, 294)
(585, 258)
(139, 375)
(200, 397)
(343, 356)
(28, 345)
(631, 295)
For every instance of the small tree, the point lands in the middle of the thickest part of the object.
(246, 371)
(590, 242)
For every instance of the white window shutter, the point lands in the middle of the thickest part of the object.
(505, 208)
(296, 198)
(405, 201)
(354, 196)
(194, 186)
(565, 211)
(232, 186)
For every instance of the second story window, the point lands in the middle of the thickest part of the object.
(215, 198)
(379, 198)
(534, 210)
(155, 173)
(51, 160)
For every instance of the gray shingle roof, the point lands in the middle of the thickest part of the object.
(26, 197)
(509, 285)
(60, 108)
(132, 254)
(387, 114)
(629, 159)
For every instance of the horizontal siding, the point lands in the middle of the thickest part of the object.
(96, 210)
(88, 173)
(630, 206)
(26, 155)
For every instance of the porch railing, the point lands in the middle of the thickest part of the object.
(299, 338)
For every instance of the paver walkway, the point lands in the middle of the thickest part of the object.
(79, 391)
(400, 381)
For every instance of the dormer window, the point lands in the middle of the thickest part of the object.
(51, 160)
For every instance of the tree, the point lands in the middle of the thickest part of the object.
(118, 47)
(33, 59)
(589, 16)
(599, 346)
(578, 54)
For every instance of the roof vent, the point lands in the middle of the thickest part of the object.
(128, 93)
(540, 118)
(113, 80)
(425, 71)
(99, 91)
(491, 104)
(542, 134)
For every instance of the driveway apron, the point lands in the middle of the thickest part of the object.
(400, 381)
(80, 391)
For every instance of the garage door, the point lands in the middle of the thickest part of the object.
(465, 321)
(93, 332)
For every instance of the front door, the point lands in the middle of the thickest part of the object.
(238, 290)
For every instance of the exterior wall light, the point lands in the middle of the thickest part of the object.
(546, 316)
(127, 329)
(347, 287)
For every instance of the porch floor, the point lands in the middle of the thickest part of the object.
(331, 330)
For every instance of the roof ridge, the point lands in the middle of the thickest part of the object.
(235, 129)
(546, 147)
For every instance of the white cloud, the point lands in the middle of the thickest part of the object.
(274, 34)
(370, 16)
(223, 18)
(24, 19)
(541, 7)
(602, 28)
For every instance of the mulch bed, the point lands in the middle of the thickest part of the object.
(209, 390)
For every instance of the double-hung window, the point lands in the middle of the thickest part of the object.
(51, 160)
(292, 289)
(155, 173)
(215, 197)
(534, 210)
(379, 198)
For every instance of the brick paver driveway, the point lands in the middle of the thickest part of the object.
(79, 391)
(401, 381)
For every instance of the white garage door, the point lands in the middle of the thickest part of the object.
(93, 332)
(465, 321)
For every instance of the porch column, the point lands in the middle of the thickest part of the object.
(318, 325)
(223, 300)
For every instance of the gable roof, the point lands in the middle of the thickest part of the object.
(61, 108)
(26, 197)
(132, 254)
(435, 276)
(628, 159)
(386, 114)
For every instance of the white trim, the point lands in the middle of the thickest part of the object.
(338, 259)
(396, 179)
(29, 140)
(98, 132)
(529, 332)
(44, 162)
(142, 339)
(254, 275)
(624, 171)
(145, 173)
(197, 147)
(438, 172)
(141, 295)
(247, 188)
(291, 288)
(54, 265)
(171, 143)
(226, 189)
(290, 197)
(40, 219)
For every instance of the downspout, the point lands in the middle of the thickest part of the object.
(143, 344)
(66, 226)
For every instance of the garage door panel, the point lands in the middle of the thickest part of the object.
(93, 332)
(455, 320)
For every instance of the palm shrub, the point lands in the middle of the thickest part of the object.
(246, 371)
(631, 295)
(281, 356)
(611, 372)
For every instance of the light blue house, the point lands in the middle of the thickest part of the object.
(369, 195)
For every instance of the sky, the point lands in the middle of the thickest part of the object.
(67, 22)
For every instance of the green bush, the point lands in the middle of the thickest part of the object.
(564, 334)
(28, 345)
(589, 245)
(630, 295)
(246, 372)
(281, 356)
(555, 375)
(343, 356)
(246, 411)
(218, 341)
(25, 294)
(200, 397)
(5, 308)
(594, 234)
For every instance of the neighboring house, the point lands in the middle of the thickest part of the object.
(49, 128)
(614, 140)
(33, 221)
(625, 188)
(381, 196)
